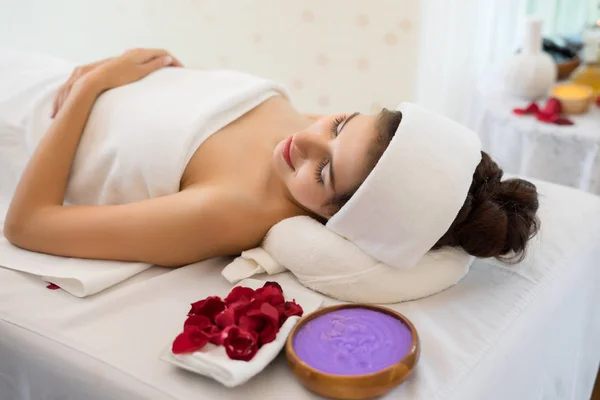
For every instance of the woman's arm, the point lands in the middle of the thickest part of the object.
(174, 230)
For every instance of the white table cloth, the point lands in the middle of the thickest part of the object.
(522, 145)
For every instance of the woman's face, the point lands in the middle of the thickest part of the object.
(326, 159)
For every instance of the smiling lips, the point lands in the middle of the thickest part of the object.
(286, 152)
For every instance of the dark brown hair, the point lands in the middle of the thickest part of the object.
(497, 218)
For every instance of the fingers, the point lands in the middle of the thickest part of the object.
(63, 97)
(156, 64)
(59, 98)
(176, 63)
(57, 103)
(54, 106)
(143, 56)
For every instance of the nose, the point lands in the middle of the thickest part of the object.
(310, 145)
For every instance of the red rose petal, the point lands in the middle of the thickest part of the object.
(201, 322)
(550, 118)
(552, 107)
(532, 108)
(239, 293)
(267, 310)
(250, 324)
(198, 321)
(189, 341)
(274, 284)
(270, 294)
(244, 321)
(288, 309)
(215, 335)
(209, 307)
(598, 101)
(52, 286)
(225, 318)
(239, 344)
(264, 321)
(563, 121)
(240, 308)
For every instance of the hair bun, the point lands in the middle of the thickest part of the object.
(519, 200)
(498, 217)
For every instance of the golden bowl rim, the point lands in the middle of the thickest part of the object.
(413, 352)
(589, 90)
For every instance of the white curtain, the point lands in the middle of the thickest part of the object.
(460, 41)
(562, 17)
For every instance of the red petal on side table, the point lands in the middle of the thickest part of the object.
(544, 117)
(552, 107)
(52, 286)
(563, 121)
(532, 108)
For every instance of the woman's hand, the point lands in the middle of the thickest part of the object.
(65, 89)
(131, 66)
(117, 71)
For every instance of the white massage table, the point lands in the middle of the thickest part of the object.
(526, 332)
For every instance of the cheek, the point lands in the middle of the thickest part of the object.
(306, 190)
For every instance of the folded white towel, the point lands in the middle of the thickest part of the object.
(212, 361)
(334, 266)
(78, 277)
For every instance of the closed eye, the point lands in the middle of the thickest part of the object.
(336, 124)
(319, 171)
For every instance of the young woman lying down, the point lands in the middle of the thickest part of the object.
(138, 158)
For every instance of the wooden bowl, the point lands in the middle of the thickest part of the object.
(353, 387)
(573, 98)
(565, 69)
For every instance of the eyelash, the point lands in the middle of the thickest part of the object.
(336, 124)
(319, 171)
(334, 129)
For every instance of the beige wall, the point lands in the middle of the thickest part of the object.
(334, 55)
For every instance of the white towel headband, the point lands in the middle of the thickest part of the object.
(415, 191)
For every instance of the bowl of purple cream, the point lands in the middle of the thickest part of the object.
(353, 351)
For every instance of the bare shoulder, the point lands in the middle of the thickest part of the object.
(236, 220)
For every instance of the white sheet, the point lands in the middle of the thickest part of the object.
(522, 332)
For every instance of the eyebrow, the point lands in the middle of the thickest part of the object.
(331, 175)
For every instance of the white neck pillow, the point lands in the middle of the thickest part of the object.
(327, 263)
